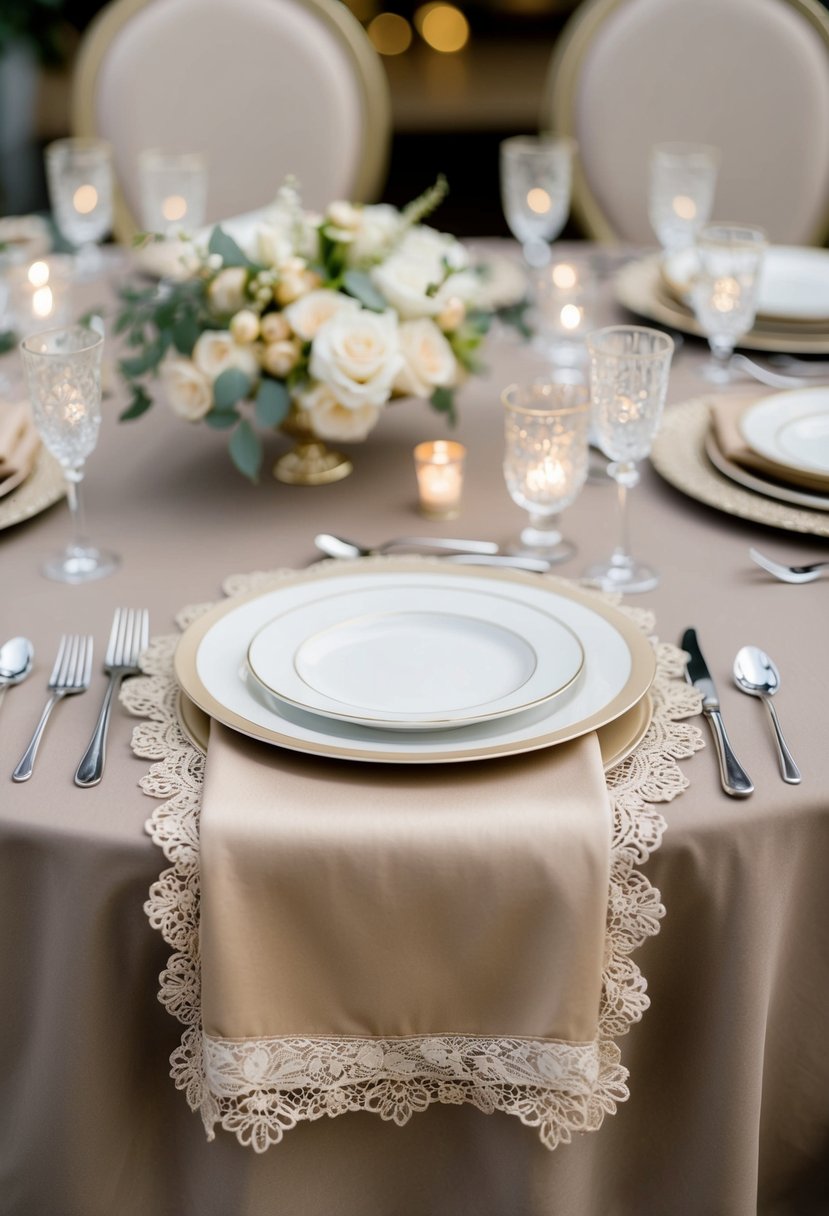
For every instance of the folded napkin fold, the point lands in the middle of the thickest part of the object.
(19, 444)
(726, 412)
(344, 906)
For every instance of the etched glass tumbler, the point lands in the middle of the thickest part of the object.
(79, 176)
(724, 290)
(683, 178)
(629, 367)
(545, 460)
(63, 373)
(173, 191)
(536, 176)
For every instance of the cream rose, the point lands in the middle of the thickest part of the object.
(306, 315)
(280, 358)
(227, 291)
(356, 353)
(428, 360)
(379, 226)
(188, 391)
(244, 326)
(330, 419)
(428, 245)
(274, 327)
(215, 351)
(410, 285)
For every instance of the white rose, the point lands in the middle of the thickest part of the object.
(215, 351)
(357, 355)
(344, 215)
(429, 362)
(429, 245)
(188, 391)
(376, 234)
(295, 283)
(227, 291)
(404, 283)
(452, 314)
(306, 315)
(330, 419)
(273, 244)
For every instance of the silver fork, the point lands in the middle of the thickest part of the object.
(130, 635)
(789, 574)
(71, 674)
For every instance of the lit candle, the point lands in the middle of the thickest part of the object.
(39, 293)
(174, 208)
(439, 468)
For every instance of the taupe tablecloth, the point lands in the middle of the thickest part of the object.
(729, 1111)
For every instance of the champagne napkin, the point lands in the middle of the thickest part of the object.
(726, 412)
(19, 445)
(379, 901)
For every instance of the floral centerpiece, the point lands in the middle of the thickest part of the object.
(313, 328)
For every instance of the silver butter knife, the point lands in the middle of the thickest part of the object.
(735, 780)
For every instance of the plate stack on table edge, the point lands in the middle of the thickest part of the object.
(793, 291)
(774, 470)
(30, 478)
(554, 662)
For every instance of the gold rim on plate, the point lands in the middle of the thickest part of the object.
(638, 287)
(637, 683)
(44, 486)
(678, 455)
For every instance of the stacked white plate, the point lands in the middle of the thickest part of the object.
(413, 661)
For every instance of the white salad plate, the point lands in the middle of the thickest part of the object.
(791, 429)
(212, 670)
(415, 658)
(794, 281)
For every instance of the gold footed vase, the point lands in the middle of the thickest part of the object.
(310, 462)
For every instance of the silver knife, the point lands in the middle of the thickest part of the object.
(735, 780)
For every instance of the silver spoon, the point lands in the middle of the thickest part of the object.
(756, 674)
(338, 546)
(16, 657)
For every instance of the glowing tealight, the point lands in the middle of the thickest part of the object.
(538, 200)
(174, 207)
(42, 302)
(38, 274)
(439, 469)
(684, 207)
(571, 316)
(564, 276)
(85, 199)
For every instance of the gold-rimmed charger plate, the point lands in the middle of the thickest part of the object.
(617, 645)
(44, 486)
(639, 287)
(760, 485)
(618, 740)
(678, 454)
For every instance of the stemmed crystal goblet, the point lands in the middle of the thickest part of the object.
(63, 373)
(683, 178)
(536, 176)
(79, 176)
(629, 366)
(545, 460)
(724, 290)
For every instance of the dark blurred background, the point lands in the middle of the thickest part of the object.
(463, 76)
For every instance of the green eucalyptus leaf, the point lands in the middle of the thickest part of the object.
(358, 284)
(229, 387)
(222, 420)
(443, 400)
(246, 450)
(185, 333)
(141, 402)
(272, 402)
(227, 249)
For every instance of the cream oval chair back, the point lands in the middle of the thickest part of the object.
(266, 88)
(750, 77)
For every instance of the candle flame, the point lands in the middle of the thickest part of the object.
(85, 199)
(38, 274)
(174, 207)
(538, 200)
(42, 302)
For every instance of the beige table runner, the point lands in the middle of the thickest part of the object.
(394, 946)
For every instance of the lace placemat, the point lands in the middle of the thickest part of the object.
(557, 1087)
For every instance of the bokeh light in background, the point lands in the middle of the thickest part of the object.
(390, 33)
(443, 27)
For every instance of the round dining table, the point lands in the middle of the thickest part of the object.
(728, 1113)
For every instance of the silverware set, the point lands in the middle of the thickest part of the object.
(459, 552)
(71, 674)
(789, 574)
(756, 675)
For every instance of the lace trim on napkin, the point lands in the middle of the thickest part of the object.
(260, 1088)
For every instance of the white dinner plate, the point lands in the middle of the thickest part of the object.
(791, 429)
(423, 658)
(212, 670)
(794, 281)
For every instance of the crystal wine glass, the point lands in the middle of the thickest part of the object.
(724, 290)
(173, 191)
(536, 175)
(629, 368)
(683, 178)
(79, 176)
(545, 460)
(63, 373)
